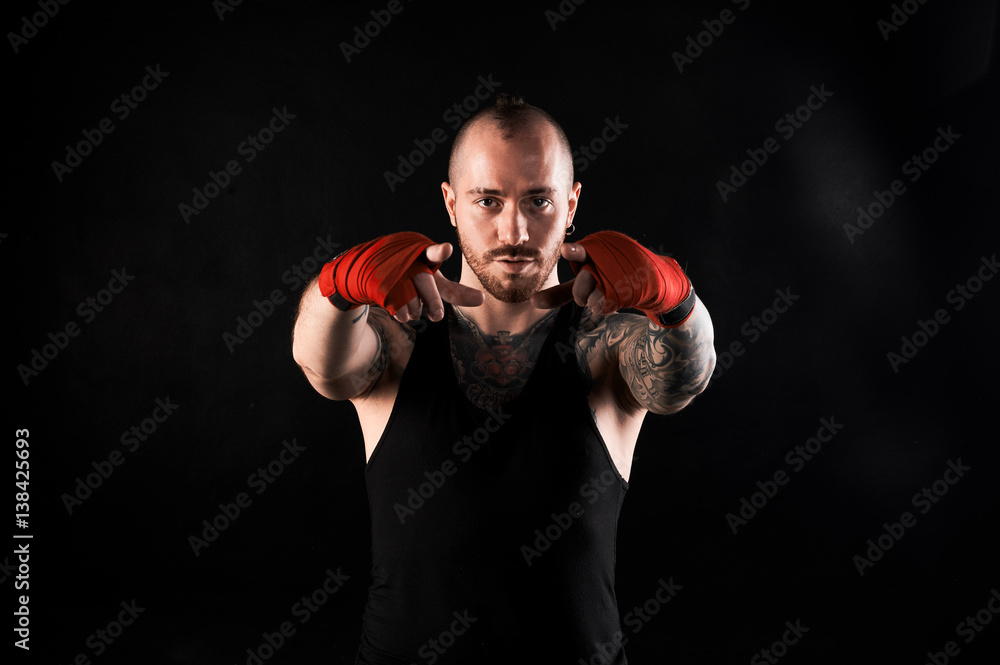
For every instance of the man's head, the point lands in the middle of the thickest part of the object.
(511, 196)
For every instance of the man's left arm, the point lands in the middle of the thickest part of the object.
(665, 357)
(664, 368)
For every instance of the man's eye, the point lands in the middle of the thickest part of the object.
(486, 203)
(539, 203)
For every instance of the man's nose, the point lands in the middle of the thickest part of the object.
(512, 227)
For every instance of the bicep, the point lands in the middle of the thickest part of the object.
(665, 368)
(381, 340)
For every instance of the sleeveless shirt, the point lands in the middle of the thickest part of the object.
(493, 531)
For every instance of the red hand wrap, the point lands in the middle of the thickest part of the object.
(629, 275)
(379, 272)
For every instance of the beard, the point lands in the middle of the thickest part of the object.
(514, 287)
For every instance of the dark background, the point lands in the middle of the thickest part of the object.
(323, 176)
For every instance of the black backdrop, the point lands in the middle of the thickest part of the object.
(173, 332)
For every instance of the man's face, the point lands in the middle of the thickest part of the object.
(511, 206)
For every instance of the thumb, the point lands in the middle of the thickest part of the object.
(572, 251)
(438, 253)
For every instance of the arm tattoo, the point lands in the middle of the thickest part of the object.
(589, 342)
(385, 328)
(664, 368)
(360, 315)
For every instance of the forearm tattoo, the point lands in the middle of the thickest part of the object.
(385, 327)
(662, 367)
(360, 315)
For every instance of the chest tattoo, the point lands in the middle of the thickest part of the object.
(493, 369)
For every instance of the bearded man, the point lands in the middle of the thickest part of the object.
(500, 412)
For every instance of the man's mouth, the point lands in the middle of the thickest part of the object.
(515, 264)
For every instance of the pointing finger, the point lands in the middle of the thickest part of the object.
(458, 294)
(428, 293)
(553, 297)
(403, 313)
(584, 285)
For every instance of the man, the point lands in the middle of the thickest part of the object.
(499, 430)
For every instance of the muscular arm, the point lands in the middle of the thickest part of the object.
(662, 368)
(342, 353)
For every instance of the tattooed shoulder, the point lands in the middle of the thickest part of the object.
(598, 337)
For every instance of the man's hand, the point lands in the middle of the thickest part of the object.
(432, 289)
(615, 272)
(396, 272)
(345, 335)
(665, 359)
(582, 289)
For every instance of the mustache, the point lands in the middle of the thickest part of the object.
(513, 252)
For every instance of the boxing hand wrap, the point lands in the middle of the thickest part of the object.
(629, 275)
(378, 272)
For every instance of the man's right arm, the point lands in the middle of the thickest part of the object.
(343, 353)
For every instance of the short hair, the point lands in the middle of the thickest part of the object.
(510, 115)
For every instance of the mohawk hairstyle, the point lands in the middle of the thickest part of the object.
(509, 114)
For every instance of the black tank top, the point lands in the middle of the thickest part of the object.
(493, 532)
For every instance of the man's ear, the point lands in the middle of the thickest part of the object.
(574, 200)
(449, 201)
